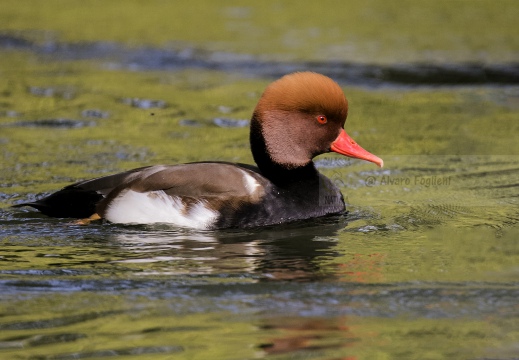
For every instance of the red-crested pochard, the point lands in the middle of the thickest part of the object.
(298, 117)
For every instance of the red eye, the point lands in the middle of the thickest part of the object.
(321, 119)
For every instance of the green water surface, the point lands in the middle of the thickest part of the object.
(424, 266)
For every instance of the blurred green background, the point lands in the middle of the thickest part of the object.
(374, 31)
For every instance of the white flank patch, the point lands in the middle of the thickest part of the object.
(250, 183)
(154, 207)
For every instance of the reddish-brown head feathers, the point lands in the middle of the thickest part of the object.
(306, 92)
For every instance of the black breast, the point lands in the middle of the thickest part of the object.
(295, 200)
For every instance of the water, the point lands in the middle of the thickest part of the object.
(424, 265)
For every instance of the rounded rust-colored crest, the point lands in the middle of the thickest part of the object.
(307, 92)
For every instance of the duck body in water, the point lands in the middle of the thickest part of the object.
(298, 117)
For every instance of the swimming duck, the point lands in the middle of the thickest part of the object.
(298, 117)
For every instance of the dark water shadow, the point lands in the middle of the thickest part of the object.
(52, 124)
(150, 58)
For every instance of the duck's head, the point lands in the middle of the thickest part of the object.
(302, 115)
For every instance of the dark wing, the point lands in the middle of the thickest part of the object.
(196, 180)
(67, 203)
(80, 199)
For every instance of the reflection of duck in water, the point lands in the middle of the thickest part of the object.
(315, 334)
(286, 252)
(297, 118)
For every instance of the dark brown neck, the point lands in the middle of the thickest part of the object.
(280, 174)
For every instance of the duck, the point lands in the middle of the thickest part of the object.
(298, 117)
